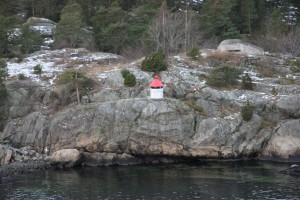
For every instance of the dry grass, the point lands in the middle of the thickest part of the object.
(94, 68)
(267, 68)
(219, 57)
(266, 123)
(61, 61)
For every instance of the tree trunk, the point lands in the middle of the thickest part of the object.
(32, 6)
(77, 89)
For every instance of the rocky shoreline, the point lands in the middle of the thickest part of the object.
(70, 158)
(9, 154)
(26, 160)
(23, 160)
(18, 168)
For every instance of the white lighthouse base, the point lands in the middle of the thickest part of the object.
(156, 93)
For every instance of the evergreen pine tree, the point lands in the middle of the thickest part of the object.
(215, 19)
(155, 62)
(6, 29)
(75, 78)
(247, 82)
(71, 26)
(249, 15)
(247, 111)
(276, 25)
(30, 40)
(224, 75)
(110, 28)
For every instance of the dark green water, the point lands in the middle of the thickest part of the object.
(210, 180)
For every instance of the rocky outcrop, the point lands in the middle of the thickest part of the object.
(290, 106)
(117, 125)
(170, 127)
(139, 127)
(284, 143)
(227, 138)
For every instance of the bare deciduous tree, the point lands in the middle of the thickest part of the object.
(173, 32)
(285, 43)
(290, 43)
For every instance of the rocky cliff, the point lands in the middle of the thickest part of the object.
(193, 121)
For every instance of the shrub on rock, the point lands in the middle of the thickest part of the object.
(37, 69)
(193, 53)
(155, 62)
(224, 75)
(129, 78)
(247, 82)
(125, 72)
(247, 112)
(21, 76)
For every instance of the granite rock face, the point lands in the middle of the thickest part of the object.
(290, 105)
(121, 125)
(284, 143)
(209, 127)
(139, 127)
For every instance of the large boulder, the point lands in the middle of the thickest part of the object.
(42, 25)
(238, 46)
(65, 158)
(293, 170)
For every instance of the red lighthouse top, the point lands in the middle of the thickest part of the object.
(156, 83)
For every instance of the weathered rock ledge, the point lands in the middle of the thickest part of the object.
(142, 127)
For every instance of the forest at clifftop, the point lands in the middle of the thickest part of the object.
(134, 28)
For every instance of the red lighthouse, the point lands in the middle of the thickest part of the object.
(156, 89)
